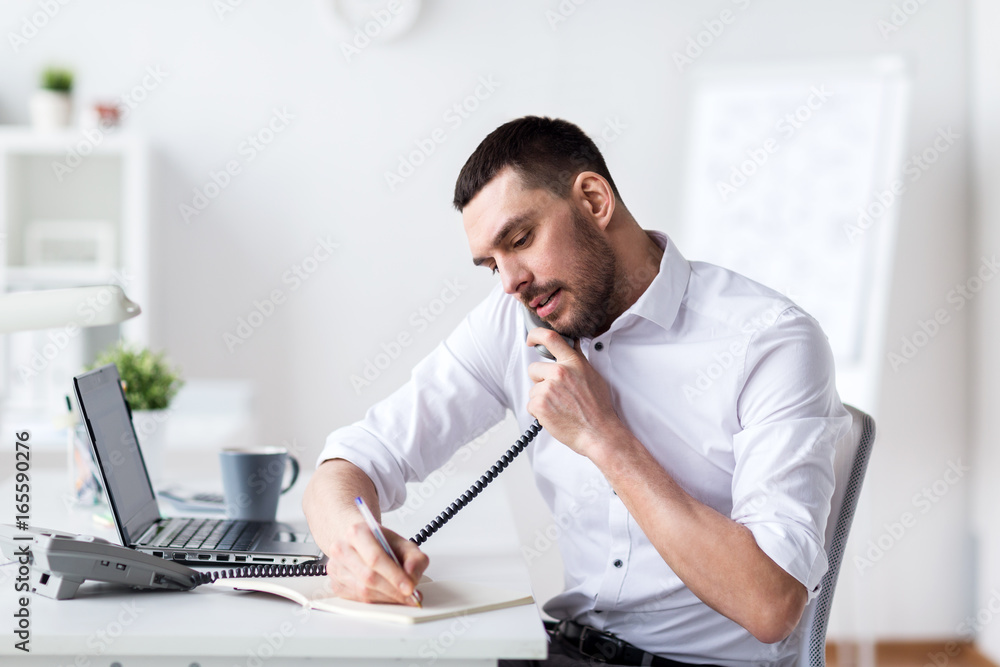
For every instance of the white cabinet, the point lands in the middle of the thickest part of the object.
(74, 210)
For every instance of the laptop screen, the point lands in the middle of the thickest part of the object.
(130, 493)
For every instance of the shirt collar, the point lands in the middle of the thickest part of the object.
(661, 301)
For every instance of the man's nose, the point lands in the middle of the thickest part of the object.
(515, 277)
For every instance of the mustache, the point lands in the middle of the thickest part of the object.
(535, 292)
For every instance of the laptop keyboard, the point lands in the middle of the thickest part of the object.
(220, 534)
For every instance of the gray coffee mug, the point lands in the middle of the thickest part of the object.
(251, 480)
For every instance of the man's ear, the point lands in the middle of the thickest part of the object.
(594, 193)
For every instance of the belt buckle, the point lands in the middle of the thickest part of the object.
(601, 646)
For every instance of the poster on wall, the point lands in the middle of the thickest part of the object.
(794, 175)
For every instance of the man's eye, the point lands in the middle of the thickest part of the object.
(521, 241)
(495, 270)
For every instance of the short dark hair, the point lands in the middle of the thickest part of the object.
(546, 153)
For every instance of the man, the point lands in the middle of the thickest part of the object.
(689, 429)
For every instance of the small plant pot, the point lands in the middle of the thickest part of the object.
(50, 110)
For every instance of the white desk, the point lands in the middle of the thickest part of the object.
(111, 627)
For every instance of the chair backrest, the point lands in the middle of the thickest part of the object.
(850, 464)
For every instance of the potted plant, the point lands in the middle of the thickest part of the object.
(150, 384)
(51, 104)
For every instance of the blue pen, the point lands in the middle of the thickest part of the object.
(380, 536)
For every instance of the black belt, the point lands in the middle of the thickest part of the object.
(606, 647)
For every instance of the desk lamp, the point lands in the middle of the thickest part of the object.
(49, 309)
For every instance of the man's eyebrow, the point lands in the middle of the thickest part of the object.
(504, 231)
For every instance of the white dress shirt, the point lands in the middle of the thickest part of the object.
(727, 383)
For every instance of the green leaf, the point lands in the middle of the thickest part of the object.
(150, 382)
(57, 79)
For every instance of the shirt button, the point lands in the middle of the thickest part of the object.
(618, 563)
(598, 346)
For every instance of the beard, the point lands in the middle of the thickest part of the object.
(593, 282)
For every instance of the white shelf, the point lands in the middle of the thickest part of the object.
(67, 176)
(30, 277)
(26, 140)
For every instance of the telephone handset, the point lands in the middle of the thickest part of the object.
(61, 561)
(531, 317)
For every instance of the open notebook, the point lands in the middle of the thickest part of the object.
(441, 599)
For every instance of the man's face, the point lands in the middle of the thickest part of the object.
(546, 252)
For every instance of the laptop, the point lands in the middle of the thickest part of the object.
(108, 421)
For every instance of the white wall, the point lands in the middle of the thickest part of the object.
(397, 250)
(985, 109)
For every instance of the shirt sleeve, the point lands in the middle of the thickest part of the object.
(453, 396)
(791, 418)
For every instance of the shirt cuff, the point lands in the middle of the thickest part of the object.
(356, 445)
(797, 554)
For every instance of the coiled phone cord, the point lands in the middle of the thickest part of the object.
(319, 569)
(480, 484)
(313, 569)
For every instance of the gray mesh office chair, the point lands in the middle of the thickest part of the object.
(850, 464)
